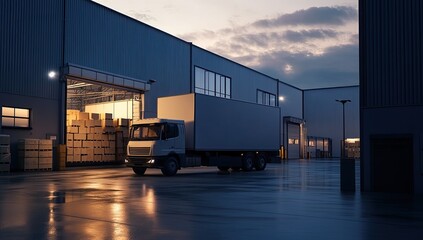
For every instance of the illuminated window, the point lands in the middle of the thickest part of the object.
(211, 83)
(15, 117)
(266, 98)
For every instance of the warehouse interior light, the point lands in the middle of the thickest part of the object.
(281, 98)
(52, 74)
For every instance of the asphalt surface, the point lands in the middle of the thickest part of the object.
(297, 199)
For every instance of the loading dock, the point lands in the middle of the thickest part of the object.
(99, 109)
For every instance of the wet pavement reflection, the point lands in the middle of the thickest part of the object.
(297, 199)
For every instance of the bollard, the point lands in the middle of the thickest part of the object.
(347, 175)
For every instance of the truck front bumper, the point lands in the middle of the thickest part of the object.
(147, 162)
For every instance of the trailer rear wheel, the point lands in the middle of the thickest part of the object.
(247, 162)
(139, 170)
(260, 162)
(170, 167)
(223, 169)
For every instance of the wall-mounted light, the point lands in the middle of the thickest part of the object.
(281, 98)
(52, 74)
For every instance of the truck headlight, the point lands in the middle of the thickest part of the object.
(151, 161)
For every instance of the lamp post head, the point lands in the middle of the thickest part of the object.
(343, 101)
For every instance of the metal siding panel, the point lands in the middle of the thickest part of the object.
(31, 42)
(100, 38)
(393, 53)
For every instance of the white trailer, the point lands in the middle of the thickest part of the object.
(195, 130)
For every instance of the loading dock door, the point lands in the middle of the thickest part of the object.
(293, 141)
(392, 159)
(97, 111)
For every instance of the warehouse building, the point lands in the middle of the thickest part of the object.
(391, 100)
(64, 61)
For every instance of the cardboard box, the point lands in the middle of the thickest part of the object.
(83, 116)
(78, 123)
(72, 129)
(83, 130)
(87, 144)
(4, 167)
(45, 154)
(106, 116)
(4, 149)
(90, 136)
(61, 148)
(28, 147)
(4, 139)
(109, 151)
(89, 123)
(5, 158)
(77, 151)
(95, 116)
(107, 123)
(30, 163)
(70, 151)
(69, 143)
(98, 144)
(112, 137)
(27, 154)
(98, 158)
(45, 142)
(72, 112)
(124, 122)
(80, 136)
(77, 143)
(98, 151)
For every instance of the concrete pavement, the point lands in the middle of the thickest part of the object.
(298, 199)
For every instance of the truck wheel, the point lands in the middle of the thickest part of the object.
(247, 162)
(139, 170)
(260, 162)
(223, 169)
(170, 167)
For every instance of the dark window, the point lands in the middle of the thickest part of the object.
(171, 130)
(15, 117)
(211, 83)
(266, 98)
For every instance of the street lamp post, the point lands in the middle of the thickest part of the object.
(347, 171)
(343, 101)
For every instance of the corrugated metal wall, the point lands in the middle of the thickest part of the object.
(100, 38)
(391, 52)
(30, 46)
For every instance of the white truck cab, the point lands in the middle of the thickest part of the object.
(156, 143)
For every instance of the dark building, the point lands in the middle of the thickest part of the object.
(391, 95)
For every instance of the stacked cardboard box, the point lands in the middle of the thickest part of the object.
(5, 153)
(122, 136)
(61, 157)
(90, 137)
(35, 154)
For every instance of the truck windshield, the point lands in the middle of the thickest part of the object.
(146, 132)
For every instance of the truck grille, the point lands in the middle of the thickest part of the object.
(141, 151)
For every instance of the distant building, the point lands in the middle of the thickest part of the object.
(391, 95)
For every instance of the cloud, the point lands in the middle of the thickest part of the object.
(337, 67)
(304, 35)
(141, 16)
(312, 17)
(315, 47)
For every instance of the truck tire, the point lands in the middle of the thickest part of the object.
(170, 167)
(260, 162)
(247, 162)
(139, 170)
(223, 169)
